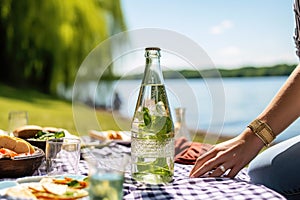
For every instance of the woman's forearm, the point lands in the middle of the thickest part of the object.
(284, 109)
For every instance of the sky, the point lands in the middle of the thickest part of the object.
(234, 33)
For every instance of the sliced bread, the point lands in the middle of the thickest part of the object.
(15, 144)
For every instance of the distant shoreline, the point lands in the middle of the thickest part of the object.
(249, 71)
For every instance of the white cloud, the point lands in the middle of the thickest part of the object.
(220, 28)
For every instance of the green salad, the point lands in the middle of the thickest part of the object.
(45, 135)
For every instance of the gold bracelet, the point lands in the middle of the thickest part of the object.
(263, 131)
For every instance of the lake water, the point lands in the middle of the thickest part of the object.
(223, 106)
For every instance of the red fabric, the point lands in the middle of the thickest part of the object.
(187, 152)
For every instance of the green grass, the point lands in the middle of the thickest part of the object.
(46, 110)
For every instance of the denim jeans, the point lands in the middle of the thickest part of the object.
(278, 168)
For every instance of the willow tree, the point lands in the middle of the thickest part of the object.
(42, 43)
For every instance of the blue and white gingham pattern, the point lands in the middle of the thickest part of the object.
(183, 187)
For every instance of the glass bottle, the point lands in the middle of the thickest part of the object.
(181, 129)
(152, 129)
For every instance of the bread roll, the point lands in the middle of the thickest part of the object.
(15, 144)
(27, 131)
(7, 142)
(21, 144)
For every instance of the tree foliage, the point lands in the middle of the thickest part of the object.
(275, 70)
(42, 43)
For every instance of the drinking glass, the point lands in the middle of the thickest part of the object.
(62, 156)
(16, 119)
(106, 175)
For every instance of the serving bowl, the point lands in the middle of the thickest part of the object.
(37, 135)
(21, 166)
(37, 143)
(42, 143)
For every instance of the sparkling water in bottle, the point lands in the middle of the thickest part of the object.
(152, 129)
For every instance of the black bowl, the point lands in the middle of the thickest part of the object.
(37, 143)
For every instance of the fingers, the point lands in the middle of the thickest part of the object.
(219, 171)
(215, 168)
(226, 158)
(233, 172)
(228, 169)
(206, 163)
(216, 163)
(201, 160)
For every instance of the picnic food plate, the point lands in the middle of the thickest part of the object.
(121, 137)
(49, 187)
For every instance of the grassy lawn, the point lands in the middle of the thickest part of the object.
(45, 110)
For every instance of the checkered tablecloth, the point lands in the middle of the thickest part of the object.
(183, 187)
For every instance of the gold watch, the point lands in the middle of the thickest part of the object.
(263, 131)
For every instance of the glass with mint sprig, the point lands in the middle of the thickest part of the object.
(161, 126)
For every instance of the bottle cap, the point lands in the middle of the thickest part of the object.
(152, 52)
(152, 48)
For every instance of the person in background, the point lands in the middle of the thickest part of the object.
(117, 101)
(278, 167)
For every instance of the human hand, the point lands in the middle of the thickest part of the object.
(231, 155)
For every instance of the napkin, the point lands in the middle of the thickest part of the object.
(187, 152)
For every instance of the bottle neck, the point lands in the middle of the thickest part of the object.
(153, 73)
